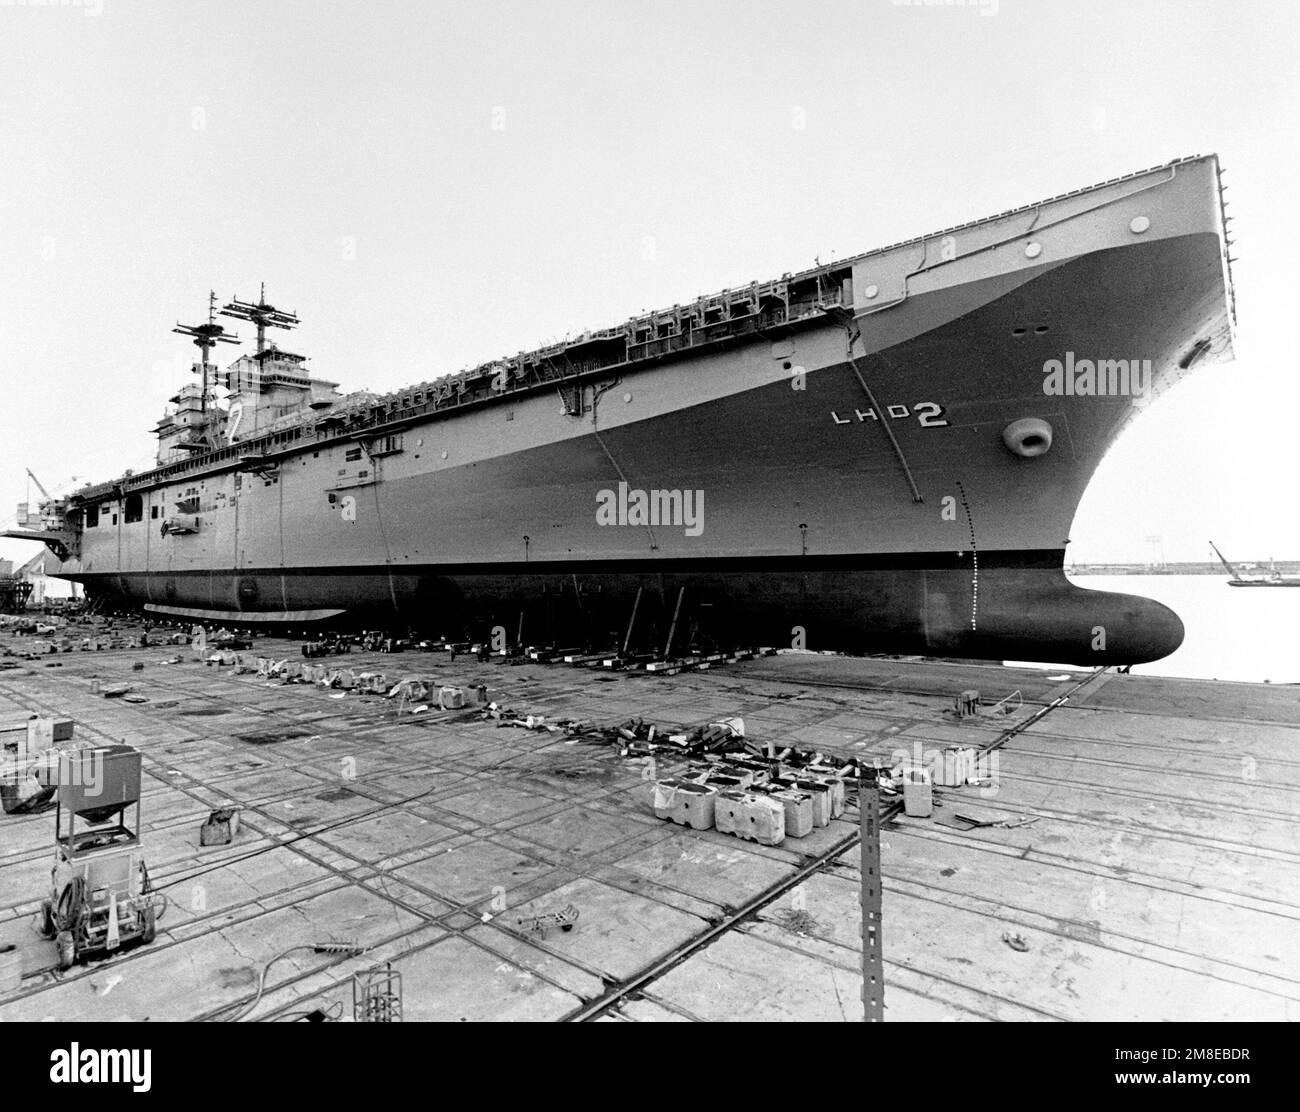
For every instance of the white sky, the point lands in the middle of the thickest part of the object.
(649, 154)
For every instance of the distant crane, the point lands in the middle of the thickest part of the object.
(27, 521)
(1231, 570)
(1274, 579)
(44, 493)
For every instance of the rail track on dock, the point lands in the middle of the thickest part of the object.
(616, 994)
(639, 982)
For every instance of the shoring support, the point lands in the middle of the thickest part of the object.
(632, 622)
(672, 629)
(873, 966)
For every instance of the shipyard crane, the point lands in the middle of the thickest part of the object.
(1231, 570)
(1274, 578)
(39, 486)
(26, 521)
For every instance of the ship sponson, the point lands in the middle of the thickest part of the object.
(882, 454)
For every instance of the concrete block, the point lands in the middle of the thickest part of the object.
(831, 786)
(798, 811)
(918, 793)
(756, 818)
(821, 795)
(685, 803)
(956, 768)
(837, 796)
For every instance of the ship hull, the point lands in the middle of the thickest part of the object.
(1020, 607)
(844, 485)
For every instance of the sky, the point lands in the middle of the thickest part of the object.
(432, 185)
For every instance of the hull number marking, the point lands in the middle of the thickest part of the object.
(929, 414)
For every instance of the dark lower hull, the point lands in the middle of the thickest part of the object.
(1014, 606)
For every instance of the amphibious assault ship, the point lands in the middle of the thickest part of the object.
(875, 454)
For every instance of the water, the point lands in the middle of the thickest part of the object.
(1233, 633)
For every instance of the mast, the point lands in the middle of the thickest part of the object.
(206, 337)
(262, 314)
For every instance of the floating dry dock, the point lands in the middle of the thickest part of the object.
(1161, 879)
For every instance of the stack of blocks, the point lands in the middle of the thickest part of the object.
(749, 805)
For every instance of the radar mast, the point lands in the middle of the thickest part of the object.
(206, 337)
(262, 314)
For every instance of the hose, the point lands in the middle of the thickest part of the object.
(318, 947)
(68, 909)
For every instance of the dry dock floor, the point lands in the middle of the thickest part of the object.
(1161, 880)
